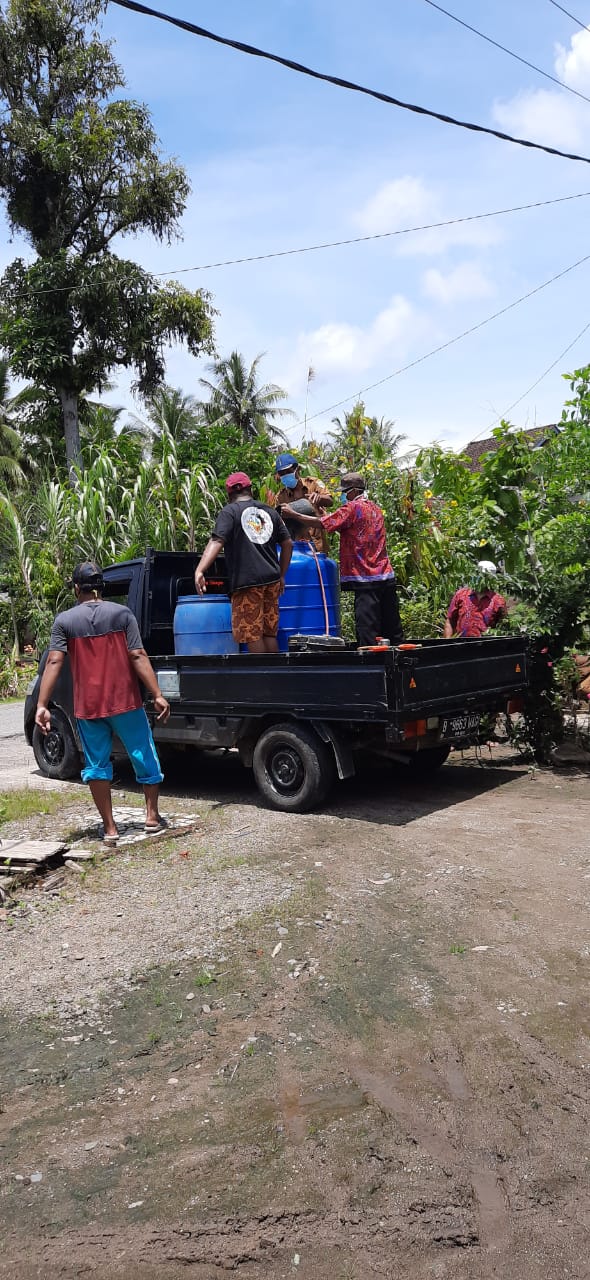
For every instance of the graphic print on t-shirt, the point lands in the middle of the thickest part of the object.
(257, 525)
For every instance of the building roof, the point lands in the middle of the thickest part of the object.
(476, 448)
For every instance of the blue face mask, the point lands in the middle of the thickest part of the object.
(290, 480)
(343, 499)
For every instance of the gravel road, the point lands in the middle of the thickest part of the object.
(346, 1045)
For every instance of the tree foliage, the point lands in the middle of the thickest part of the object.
(79, 167)
(237, 399)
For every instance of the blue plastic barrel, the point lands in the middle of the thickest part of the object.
(301, 607)
(202, 624)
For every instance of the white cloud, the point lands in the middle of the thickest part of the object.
(398, 203)
(464, 282)
(406, 202)
(339, 347)
(550, 115)
(545, 115)
(573, 65)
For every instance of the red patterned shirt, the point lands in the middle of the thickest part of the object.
(363, 550)
(471, 613)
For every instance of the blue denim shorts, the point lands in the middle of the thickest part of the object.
(132, 727)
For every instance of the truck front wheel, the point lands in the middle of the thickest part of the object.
(293, 768)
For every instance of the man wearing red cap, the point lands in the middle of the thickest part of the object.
(248, 532)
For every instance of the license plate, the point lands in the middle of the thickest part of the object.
(457, 726)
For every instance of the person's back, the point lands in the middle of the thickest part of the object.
(250, 531)
(98, 635)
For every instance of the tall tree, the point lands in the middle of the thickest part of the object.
(79, 167)
(237, 398)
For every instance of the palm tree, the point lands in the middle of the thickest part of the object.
(11, 445)
(237, 398)
(174, 414)
(358, 438)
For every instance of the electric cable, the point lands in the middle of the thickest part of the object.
(510, 52)
(356, 395)
(299, 67)
(583, 25)
(380, 235)
(526, 393)
(336, 244)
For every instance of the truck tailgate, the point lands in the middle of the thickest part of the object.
(449, 675)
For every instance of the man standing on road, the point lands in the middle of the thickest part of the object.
(295, 486)
(364, 564)
(248, 532)
(108, 660)
(473, 609)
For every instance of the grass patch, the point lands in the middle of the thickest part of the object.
(26, 803)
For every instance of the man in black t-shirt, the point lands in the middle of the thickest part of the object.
(248, 532)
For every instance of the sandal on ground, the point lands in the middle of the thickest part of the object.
(110, 842)
(153, 828)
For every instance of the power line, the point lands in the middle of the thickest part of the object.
(583, 25)
(536, 383)
(510, 52)
(336, 244)
(451, 342)
(381, 235)
(254, 51)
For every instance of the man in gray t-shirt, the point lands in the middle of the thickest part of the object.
(107, 660)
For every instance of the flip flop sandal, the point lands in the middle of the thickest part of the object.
(162, 825)
(110, 842)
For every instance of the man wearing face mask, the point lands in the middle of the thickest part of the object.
(365, 567)
(293, 487)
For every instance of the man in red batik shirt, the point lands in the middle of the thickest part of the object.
(108, 660)
(473, 609)
(364, 564)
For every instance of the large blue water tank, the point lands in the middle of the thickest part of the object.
(202, 624)
(301, 607)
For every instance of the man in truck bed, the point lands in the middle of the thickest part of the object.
(248, 532)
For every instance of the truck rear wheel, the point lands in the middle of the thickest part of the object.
(293, 768)
(56, 752)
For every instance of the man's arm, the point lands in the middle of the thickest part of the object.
(53, 666)
(143, 668)
(314, 522)
(451, 620)
(212, 551)
(285, 559)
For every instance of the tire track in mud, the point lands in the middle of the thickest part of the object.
(489, 1192)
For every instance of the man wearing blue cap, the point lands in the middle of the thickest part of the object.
(294, 487)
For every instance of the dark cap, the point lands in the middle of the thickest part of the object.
(88, 576)
(352, 480)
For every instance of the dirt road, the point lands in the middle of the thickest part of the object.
(380, 1070)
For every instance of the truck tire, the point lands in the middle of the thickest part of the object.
(293, 768)
(56, 752)
(423, 763)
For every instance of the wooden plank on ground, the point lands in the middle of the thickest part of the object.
(17, 851)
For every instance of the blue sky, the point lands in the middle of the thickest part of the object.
(277, 161)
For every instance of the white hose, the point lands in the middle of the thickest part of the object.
(322, 588)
